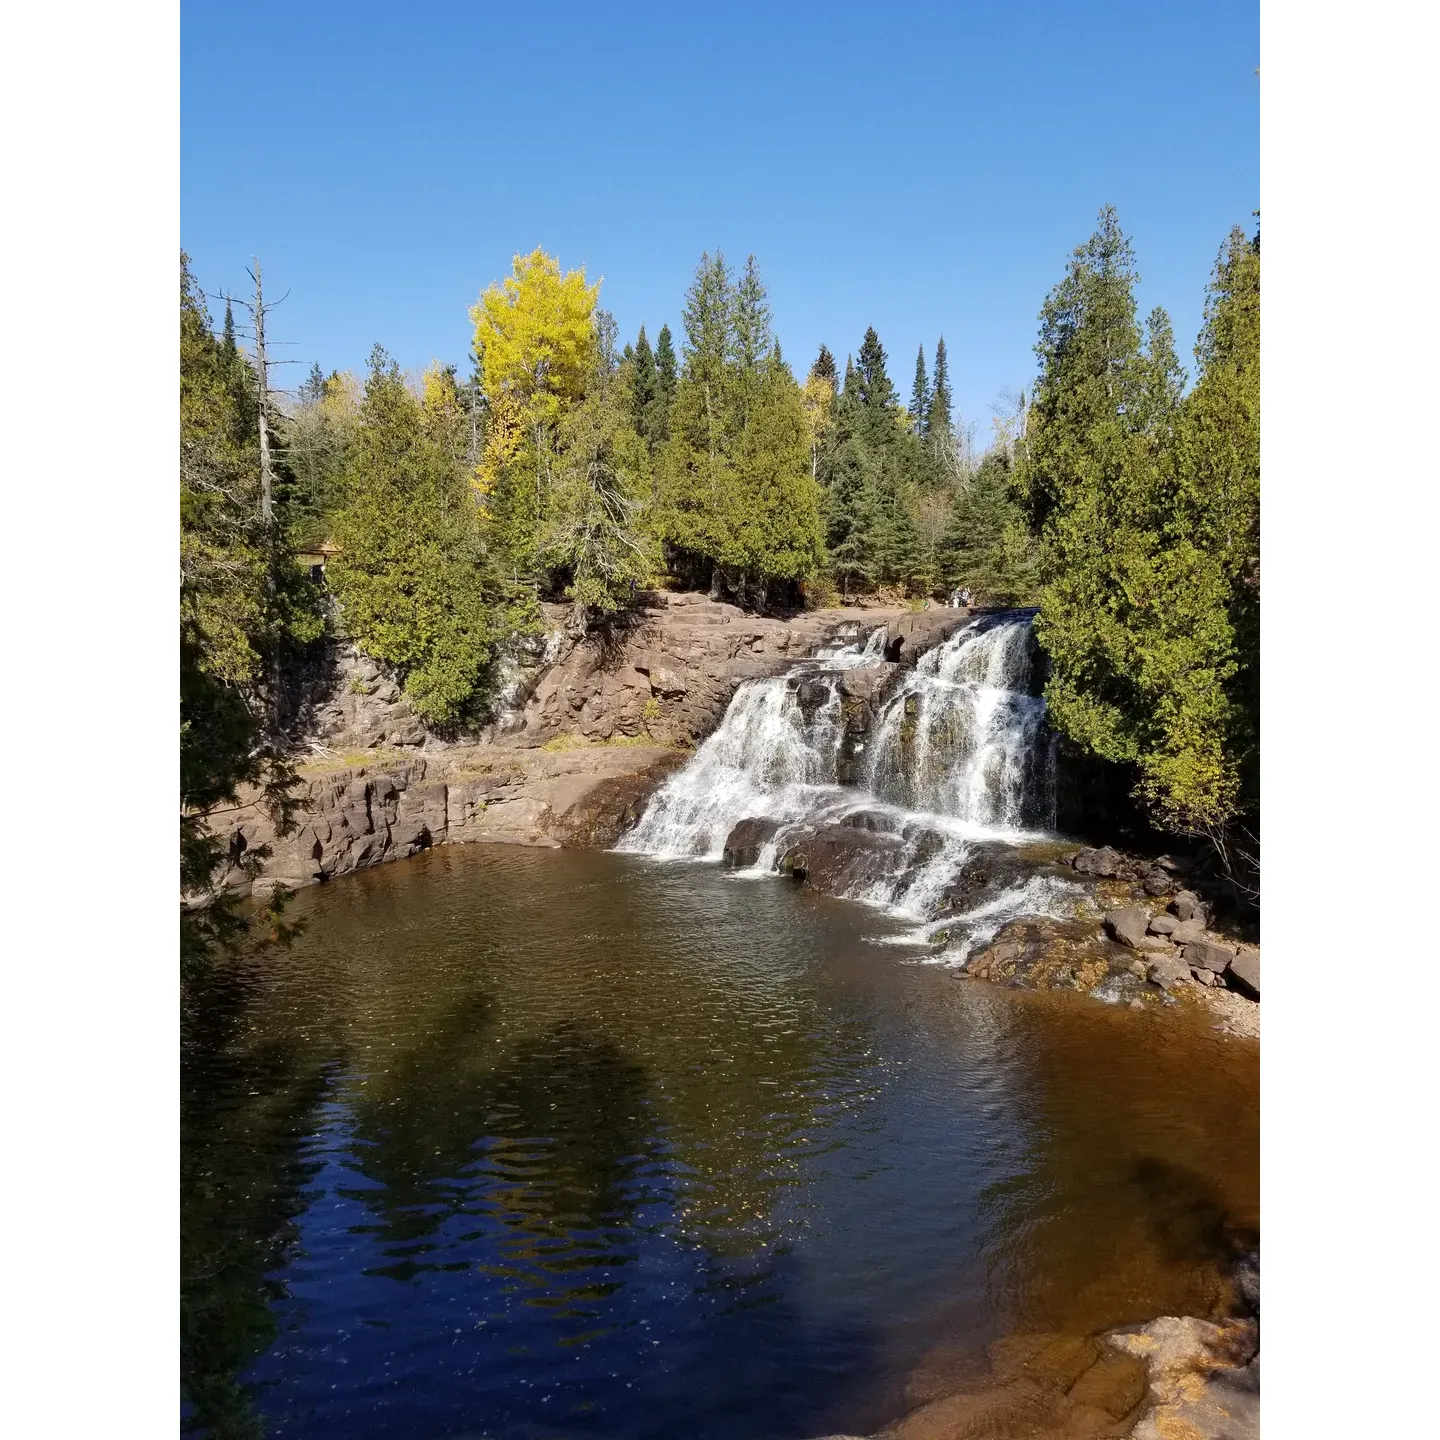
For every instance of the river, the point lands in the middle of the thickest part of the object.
(539, 1143)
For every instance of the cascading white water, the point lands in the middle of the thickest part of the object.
(767, 760)
(963, 737)
(959, 753)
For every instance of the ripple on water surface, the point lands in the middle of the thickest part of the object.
(550, 1143)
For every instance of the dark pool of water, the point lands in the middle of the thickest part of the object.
(535, 1143)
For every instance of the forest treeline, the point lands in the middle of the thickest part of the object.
(567, 465)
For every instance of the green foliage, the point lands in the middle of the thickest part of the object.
(416, 585)
(735, 475)
(666, 379)
(986, 547)
(239, 612)
(596, 534)
(1147, 509)
(920, 395)
(939, 420)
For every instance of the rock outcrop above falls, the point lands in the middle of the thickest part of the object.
(593, 725)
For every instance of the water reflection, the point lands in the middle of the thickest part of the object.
(534, 1143)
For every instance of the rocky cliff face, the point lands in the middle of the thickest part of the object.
(593, 725)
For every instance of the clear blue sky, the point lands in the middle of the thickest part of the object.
(925, 169)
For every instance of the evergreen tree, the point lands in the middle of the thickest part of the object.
(939, 416)
(1147, 510)
(413, 578)
(644, 391)
(666, 377)
(597, 536)
(920, 395)
(877, 393)
(824, 367)
(986, 547)
(243, 607)
(752, 319)
(737, 489)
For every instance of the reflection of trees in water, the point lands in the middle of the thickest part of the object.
(242, 1178)
(1116, 1212)
(532, 1108)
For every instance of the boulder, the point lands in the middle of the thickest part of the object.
(1168, 972)
(745, 842)
(1164, 925)
(867, 682)
(1209, 955)
(1105, 863)
(667, 681)
(1157, 882)
(1186, 905)
(1129, 927)
(1187, 931)
(1208, 978)
(1244, 970)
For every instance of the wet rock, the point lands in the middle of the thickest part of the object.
(1163, 925)
(1130, 926)
(1157, 882)
(985, 872)
(1168, 972)
(1244, 971)
(745, 842)
(866, 684)
(1104, 863)
(1186, 905)
(1208, 955)
(1203, 1379)
(840, 860)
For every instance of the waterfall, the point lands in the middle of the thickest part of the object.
(962, 736)
(768, 760)
(957, 755)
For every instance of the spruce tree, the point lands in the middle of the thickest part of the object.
(1146, 505)
(938, 417)
(920, 395)
(644, 390)
(824, 367)
(751, 319)
(665, 382)
(877, 393)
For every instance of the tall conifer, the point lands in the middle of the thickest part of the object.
(665, 382)
(920, 395)
(938, 418)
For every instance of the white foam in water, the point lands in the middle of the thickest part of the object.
(959, 753)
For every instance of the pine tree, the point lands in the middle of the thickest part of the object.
(752, 319)
(1147, 509)
(824, 367)
(920, 395)
(939, 421)
(665, 382)
(877, 393)
(644, 390)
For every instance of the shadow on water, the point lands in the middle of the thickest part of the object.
(242, 1190)
(541, 1145)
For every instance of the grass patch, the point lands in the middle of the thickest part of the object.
(353, 759)
(570, 741)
